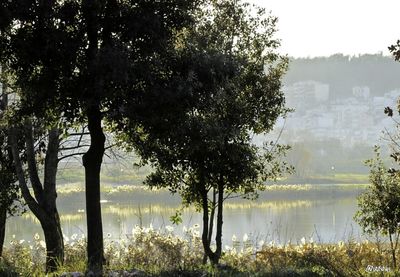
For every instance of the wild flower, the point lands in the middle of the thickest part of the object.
(42, 244)
(66, 239)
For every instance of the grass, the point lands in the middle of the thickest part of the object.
(161, 253)
(78, 187)
(336, 178)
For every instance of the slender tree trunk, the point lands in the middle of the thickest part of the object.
(92, 162)
(218, 237)
(3, 208)
(393, 250)
(213, 256)
(3, 218)
(204, 237)
(211, 223)
(212, 215)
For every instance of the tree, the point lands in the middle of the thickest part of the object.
(87, 59)
(379, 205)
(395, 50)
(43, 201)
(9, 192)
(228, 89)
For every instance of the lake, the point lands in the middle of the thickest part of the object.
(280, 214)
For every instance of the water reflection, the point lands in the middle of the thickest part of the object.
(325, 213)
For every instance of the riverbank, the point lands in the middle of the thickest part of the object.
(109, 189)
(149, 252)
(338, 178)
(112, 175)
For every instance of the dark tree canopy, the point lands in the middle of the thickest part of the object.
(69, 54)
(88, 61)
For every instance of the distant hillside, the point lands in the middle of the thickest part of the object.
(380, 73)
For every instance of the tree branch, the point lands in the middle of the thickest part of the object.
(13, 141)
(31, 161)
(74, 147)
(70, 155)
(50, 169)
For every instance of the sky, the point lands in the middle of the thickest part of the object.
(310, 28)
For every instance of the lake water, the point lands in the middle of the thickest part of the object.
(323, 212)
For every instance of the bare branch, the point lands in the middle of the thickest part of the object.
(71, 155)
(278, 138)
(74, 147)
(391, 138)
(79, 134)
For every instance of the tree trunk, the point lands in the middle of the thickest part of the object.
(204, 236)
(211, 223)
(54, 242)
(3, 218)
(212, 215)
(92, 162)
(3, 208)
(393, 250)
(213, 256)
(218, 237)
(206, 243)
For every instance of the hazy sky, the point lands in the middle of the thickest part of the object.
(325, 27)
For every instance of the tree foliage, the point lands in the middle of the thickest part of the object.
(9, 192)
(228, 89)
(10, 200)
(379, 205)
(87, 61)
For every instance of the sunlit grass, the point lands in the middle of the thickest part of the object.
(72, 188)
(269, 205)
(351, 177)
(333, 177)
(288, 187)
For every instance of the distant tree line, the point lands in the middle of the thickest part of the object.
(379, 73)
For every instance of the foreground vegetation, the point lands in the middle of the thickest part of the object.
(149, 252)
